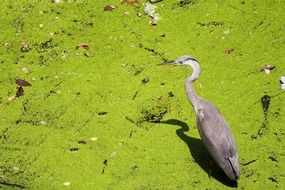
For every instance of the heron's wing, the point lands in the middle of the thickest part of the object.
(217, 136)
(214, 128)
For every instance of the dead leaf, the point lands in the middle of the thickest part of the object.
(109, 7)
(82, 142)
(20, 92)
(22, 82)
(228, 51)
(82, 46)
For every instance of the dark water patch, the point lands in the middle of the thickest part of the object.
(265, 101)
(45, 46)
(74, 149)
(102, 113)
(153, 115)
(186, 3)
(273, 179)
(154, 52)
(151, 112)
(135, 95)
(273, 159)
(170, 94)
(263, 129)
(10, 184)
(105, 162)
(212, 23)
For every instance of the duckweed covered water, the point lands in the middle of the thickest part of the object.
(91, 120)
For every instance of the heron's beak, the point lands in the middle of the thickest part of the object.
(171, 62)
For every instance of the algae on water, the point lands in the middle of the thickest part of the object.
(100, 101)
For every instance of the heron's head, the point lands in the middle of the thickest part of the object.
(183, 60)
(189, 61)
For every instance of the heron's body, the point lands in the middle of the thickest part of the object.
(212, 126)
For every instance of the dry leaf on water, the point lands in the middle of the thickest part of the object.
(109, 8)
(82, 46)
(228, 51)
(22, 82)
(20, 92)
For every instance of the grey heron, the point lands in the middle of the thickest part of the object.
(213, 128)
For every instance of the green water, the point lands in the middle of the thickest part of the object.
(90, 118)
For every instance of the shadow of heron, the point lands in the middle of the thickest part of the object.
(199, 153)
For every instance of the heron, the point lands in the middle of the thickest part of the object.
(213, 128)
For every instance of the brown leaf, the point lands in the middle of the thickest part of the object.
(82, 46)
(109, 7)
(228, 51)
(20, 92)
(22, 82)
(82, 142)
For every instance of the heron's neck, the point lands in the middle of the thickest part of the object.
(191, 94)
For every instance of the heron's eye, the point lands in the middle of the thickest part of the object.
(180, 62)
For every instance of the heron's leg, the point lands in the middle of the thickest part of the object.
(210, 168)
